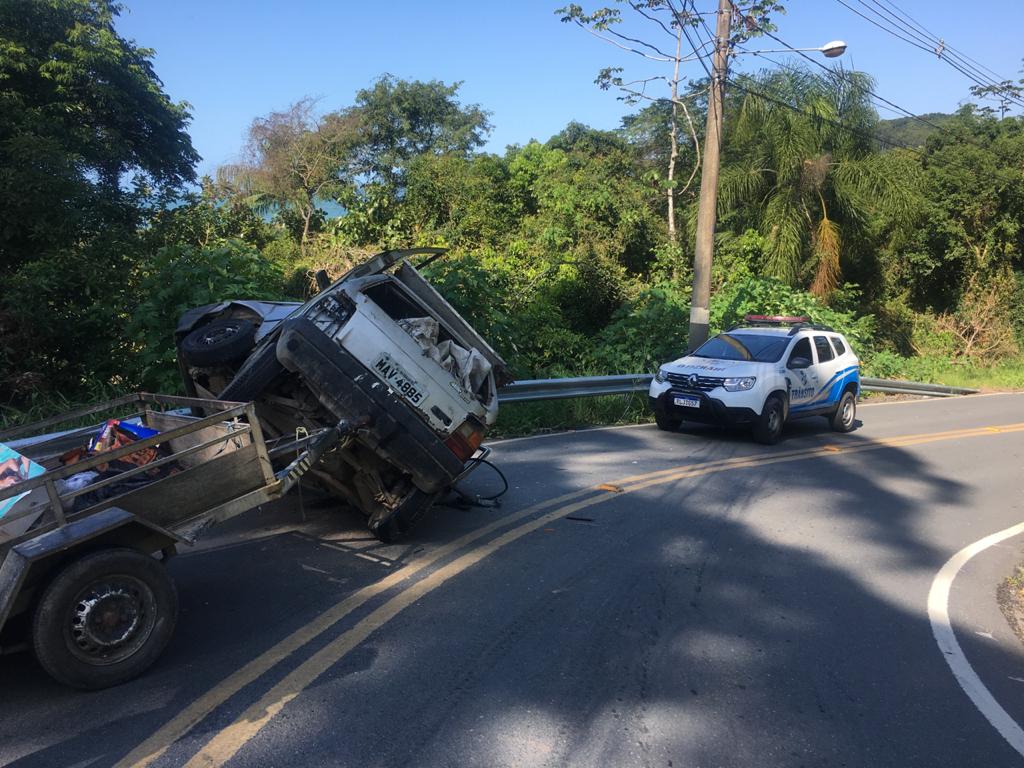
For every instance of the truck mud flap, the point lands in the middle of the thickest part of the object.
(349, 390)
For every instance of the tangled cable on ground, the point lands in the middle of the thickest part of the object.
(466, 500)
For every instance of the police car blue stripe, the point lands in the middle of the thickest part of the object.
(847, 374)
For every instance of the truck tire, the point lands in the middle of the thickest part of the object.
(221, 342)
(255, 376)
(845, 415)
(104, 619)
(768, 426)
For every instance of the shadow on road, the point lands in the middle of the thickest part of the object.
(747, 618)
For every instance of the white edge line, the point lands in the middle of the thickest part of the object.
(938, 615)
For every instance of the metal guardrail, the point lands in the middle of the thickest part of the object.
(913, 388)
(584, 386)
(593, 386)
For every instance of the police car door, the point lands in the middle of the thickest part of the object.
(802, 375)
(828, 366)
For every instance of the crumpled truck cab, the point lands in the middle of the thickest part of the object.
(379, 346)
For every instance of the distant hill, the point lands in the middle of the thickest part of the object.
(910, 132)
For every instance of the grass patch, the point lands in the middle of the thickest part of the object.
(1006, 374)
(1010, 596)
(516, 419)
(42, 405)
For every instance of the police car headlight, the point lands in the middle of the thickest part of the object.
(739, 385)
(660, 376)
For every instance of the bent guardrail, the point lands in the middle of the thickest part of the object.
(535, 390)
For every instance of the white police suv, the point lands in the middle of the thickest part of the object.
(763, 373)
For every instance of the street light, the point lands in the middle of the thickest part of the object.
(828, 50)
(833, 49)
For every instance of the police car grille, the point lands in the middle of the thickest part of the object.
(704, 383)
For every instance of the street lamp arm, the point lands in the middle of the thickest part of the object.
(830, 50)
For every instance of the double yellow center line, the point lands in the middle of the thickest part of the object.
(227, 742)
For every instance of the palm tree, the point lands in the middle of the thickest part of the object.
(803, 166)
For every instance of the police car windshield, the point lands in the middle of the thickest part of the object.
(758, 348)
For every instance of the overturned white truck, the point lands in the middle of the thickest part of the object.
(378, 347)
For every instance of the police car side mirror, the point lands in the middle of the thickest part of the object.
(797, 363)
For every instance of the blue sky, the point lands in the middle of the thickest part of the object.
(233, 60)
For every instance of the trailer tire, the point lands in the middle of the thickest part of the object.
(104, 619)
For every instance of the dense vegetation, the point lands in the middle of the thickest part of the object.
(560, 252)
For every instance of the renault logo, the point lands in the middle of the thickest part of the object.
(692, 380)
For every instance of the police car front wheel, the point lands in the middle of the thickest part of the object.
(768, 426)
(667, 423)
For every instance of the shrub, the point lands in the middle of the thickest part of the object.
(647, 331)
(179, 278)
(768, 296)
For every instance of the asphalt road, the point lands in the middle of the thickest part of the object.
(639, 599)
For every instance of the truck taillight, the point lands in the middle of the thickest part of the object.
(464, 441)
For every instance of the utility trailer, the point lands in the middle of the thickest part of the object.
(86, 584)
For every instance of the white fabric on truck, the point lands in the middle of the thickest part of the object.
(468, 366)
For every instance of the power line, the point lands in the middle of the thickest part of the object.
(836, 123)
(923, 43)
(838, 73)
(920, 26)
(686, 32)
(880, 101)
(904, 20)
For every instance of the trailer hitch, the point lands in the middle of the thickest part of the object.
(315, 449)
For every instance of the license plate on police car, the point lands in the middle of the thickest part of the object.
(687, 402)
(399, 380)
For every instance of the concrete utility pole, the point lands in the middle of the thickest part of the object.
(706, 213)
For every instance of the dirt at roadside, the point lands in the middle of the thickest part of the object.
(1010, 596)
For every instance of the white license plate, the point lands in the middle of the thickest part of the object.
(399, 380)
(687, 402)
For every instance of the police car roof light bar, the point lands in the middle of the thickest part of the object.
(776, 319)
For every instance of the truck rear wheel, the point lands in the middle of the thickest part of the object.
(255, 376)
(105, 619)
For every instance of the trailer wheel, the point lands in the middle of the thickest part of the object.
(105, 619)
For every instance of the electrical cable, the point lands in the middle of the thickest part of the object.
(931, 34)
(940, 46)
(956, 61)
(880, 101)
(493, 500)
(836, 123)
(835, 72)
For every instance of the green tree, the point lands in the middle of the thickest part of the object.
(81, 112)
(968, 221)
(401, 120)
(666, 32)
(801, 167)
(178, 278)
(293, 161)
(89, 142)
(1007, 94)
